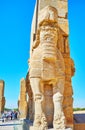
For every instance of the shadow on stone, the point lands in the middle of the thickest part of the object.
(79, 121)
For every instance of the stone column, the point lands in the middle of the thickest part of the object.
(63, 47)
(2, 98)
(23, 103)
(31, 102)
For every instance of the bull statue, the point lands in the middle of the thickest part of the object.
(47, 67)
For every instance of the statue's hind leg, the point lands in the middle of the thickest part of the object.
(59, 118)
(40, 122)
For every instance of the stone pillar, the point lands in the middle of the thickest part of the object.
(63, 47)
(31, 102)
(23, 103)
(2, 98)
(68, 92)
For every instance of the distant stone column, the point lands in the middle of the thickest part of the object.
(23, 103)
(2, 98)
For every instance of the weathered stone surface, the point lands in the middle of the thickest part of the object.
(65, 129)
(47, 67)
(37, 65)
(51, 67)
(35, 128)
(2, 98)
(60, 5)
(23, 103)
(30, 102)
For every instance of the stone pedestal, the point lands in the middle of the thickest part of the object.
(36, 128)
(62, 129)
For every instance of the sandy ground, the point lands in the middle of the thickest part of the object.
(6, 128)
(79, 112)
(9, 125)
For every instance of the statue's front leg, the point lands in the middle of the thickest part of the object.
(59, 118)
(40, 119)
(40, 122)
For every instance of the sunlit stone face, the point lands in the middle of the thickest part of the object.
(48, 41)
(48, 34)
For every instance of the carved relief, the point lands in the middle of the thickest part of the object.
(47, 67)
(51, 67)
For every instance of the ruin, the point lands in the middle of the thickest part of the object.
(48, 82)
(51, 67)
(23, 102)
(2, 98)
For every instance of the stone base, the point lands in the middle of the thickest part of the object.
(65, 129)
(33, 128)
(36, 128)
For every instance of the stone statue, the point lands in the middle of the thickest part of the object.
(47, 67)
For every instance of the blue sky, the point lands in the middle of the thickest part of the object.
(15, 26)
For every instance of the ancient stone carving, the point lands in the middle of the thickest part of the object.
(47, 67)
(59, 118)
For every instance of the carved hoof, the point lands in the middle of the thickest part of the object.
(40, 122)
(59, 122)
(43, 122)
(37, 121)
(39, 97)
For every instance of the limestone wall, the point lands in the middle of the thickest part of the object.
(63, 45)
